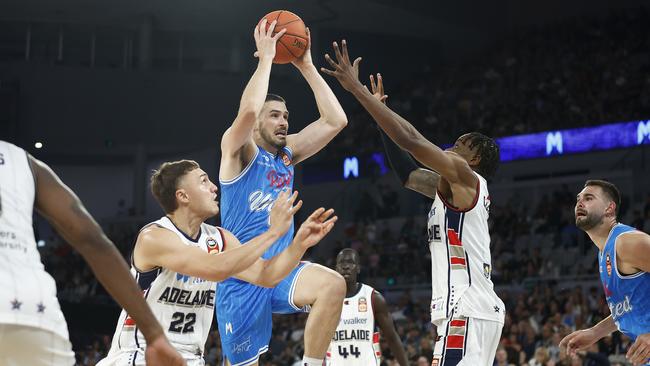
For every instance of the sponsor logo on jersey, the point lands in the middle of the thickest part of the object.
(437, 303)
(242, 347)
(620, 308)
(229, 328)
(279, 180)
(260, 201)
(213, 246)
(363, 305)
(176, 296)
(354, 321)
(608, 265)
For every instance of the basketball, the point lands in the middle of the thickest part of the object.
(294, 42)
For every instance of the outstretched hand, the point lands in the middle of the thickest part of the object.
(378, 88)
(314, 229)
(283, 210)
(345, 72)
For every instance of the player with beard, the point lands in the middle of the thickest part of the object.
(624, 263)
(355, 341)
(257, 163)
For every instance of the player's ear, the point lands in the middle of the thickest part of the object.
(182, 196)
(475, 160)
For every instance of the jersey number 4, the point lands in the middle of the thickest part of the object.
(354, 351)
(182, 323)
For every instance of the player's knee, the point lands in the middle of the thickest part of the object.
(335, 287)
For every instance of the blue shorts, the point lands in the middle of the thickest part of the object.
(244, 314)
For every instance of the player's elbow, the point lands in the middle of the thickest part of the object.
(340, 121)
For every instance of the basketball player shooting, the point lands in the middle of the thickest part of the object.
(258, 156)
(466, 312)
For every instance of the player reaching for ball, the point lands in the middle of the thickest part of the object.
(257, 163)
(466, 312)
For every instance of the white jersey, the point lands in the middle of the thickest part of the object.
(184, 305)
(461, 264)
(28, 295)
(355, 341)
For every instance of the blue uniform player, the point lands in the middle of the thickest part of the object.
(257, 163)
(624, 263)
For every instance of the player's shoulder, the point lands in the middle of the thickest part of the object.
(154, 232)
(630, 241)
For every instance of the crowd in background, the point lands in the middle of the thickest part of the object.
(575, 72)
(570, 73)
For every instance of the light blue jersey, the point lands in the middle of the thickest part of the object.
(244, 311)
(628, 296)
(247, 200)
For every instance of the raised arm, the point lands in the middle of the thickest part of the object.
(268, 273)
(332, 119)
(449, 165)
(387, 327)
(159, 247)
(240, 135)
(63, 209)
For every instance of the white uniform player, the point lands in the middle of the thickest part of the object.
(464, 307)
(355, 341)
(183, 305)
(29, 308)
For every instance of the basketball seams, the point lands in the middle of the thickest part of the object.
(286, 47)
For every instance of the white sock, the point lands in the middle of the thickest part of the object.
(308, 361)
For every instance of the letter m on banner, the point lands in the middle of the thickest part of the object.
(351, 167)
(554, 142)
(642, 132)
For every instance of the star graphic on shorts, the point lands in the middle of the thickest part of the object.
(15, 305)
(41, 308)
(496, 309)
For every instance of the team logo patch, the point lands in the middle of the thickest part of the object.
(363, 305)
(608, 265)
(487, 270)
(285, 159)
(213, 246)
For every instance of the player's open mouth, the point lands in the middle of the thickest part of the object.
(281, 133)
(581, 214)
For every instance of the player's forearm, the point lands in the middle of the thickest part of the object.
(238, 259)
(604, 328)
(254, 94)
(329, 106)
(279, 267)
(398, 349)
(396, 127)
(112, 272)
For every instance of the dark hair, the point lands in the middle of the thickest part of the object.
(353, 252)
(610, 190)
(164, 182)
(488, 150)
(274, 98)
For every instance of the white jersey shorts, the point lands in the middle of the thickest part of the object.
(26, 345)
(464, 341)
